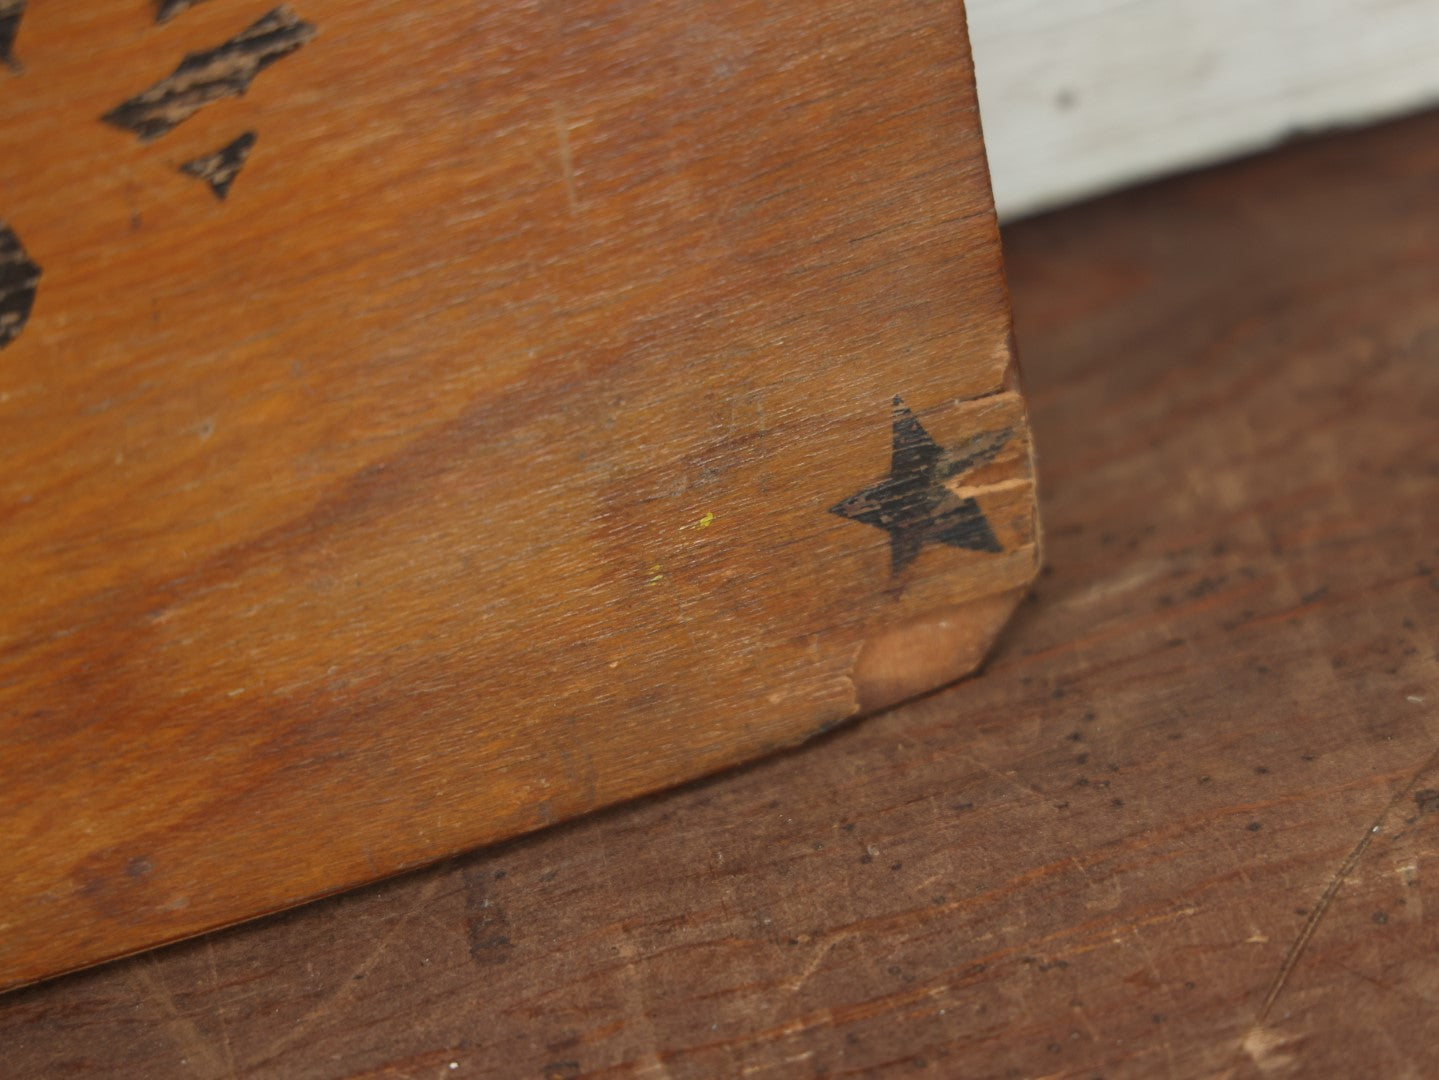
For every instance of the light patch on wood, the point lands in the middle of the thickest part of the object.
(930, 651)
(1267, 1049)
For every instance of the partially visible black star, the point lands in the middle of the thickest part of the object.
(913, 503)
(19, 278)
(11, 12)
(168, 9)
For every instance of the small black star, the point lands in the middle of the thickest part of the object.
(913, 503)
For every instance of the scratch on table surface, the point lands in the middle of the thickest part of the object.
(1256, 935)
(180, 1027)
(1409, 877)
(783, 1063)
(1405, 1053)
(1258, 1041)
(1169, 1068)
(1396, 989)
(1091, 887)
(220, 1008)
(1012, 781)
(347, 985)
(820, 953)
(636, 1007)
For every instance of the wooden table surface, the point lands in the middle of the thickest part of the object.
(1186, 824)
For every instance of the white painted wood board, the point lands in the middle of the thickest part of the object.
(1083, 96)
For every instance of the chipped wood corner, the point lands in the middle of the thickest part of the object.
(991, 474)
(929, 651)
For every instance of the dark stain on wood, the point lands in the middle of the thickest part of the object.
(19, 278)
(11, 12)
(913, 503)
(204, 77)
(165, 10)
(220, 168)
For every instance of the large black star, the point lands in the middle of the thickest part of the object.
(914, 504)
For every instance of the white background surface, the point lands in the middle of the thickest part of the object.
(1082, 96)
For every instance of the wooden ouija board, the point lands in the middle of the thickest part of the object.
(422, 422)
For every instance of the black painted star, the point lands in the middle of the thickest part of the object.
(914, 504)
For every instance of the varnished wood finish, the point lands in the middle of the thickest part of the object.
(1185, 825)
(456, 453)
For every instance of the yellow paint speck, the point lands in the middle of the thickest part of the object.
(656, 575)
(705, 521)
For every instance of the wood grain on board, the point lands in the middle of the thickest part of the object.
(423, 422)
(1186, 824)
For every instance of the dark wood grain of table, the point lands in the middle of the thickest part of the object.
(1185, 825)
